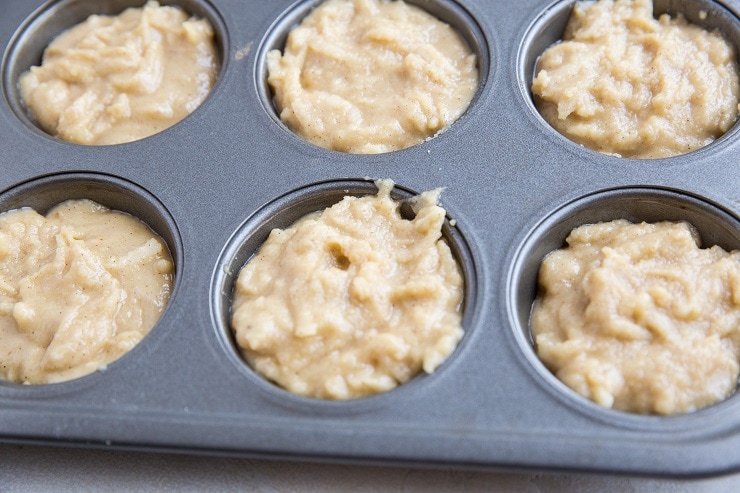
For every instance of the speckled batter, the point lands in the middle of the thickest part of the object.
(637, 317)
(624, 83)
(115, 79)
(78, 289)
(351, 301)
(371, 76)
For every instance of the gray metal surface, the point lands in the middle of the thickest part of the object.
(214, 183)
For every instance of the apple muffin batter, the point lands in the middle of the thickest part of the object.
(371, 76)
(638, 318)
(624, 83)
(115, 79)
(78, 289)
(351, 301)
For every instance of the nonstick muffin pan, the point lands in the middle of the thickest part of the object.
(215, 184)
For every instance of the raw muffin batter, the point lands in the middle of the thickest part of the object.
(114, 79)
(351, 301)
(638, 318)
(371, 76)
(624, 83)
(78, 289)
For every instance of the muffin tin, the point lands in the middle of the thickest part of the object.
(214, 185)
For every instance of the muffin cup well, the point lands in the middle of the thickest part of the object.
(285, 211)
(27, 45)
(714, 224)
(44, 193)
(548, 27)
(447, 11)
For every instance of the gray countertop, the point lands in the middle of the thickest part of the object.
(31, 468)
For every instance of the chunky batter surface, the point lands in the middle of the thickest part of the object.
(114, 79)
(624, 83)
(638, 318)
(371, 76)
(78, 289)
(351, 301)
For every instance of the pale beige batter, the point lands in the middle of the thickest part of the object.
(638, 318)
(624, 83)
(371, 76)
(78, 289)
(351, 301)
(115, 79)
